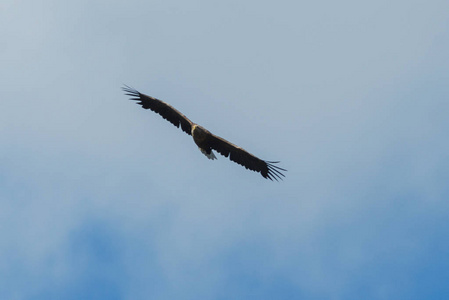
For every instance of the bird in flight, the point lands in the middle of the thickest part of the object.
(205, 140)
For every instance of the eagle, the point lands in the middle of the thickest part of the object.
(205, 140)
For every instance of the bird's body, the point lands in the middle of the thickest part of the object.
(205, 140)
(200, 135)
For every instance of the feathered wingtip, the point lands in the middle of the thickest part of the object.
(132, 92)
(274, 172)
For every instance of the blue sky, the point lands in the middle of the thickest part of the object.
(100, 199)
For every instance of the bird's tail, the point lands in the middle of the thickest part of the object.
(211, 155)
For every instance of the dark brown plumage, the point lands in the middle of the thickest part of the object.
(205, 140)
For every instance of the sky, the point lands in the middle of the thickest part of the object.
(100, 199)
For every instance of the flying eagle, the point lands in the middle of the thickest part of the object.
(205, 140)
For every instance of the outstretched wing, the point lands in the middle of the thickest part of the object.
(244, 158)
(167, 111)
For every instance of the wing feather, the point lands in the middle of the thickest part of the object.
(244, 158)
(160, 107)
